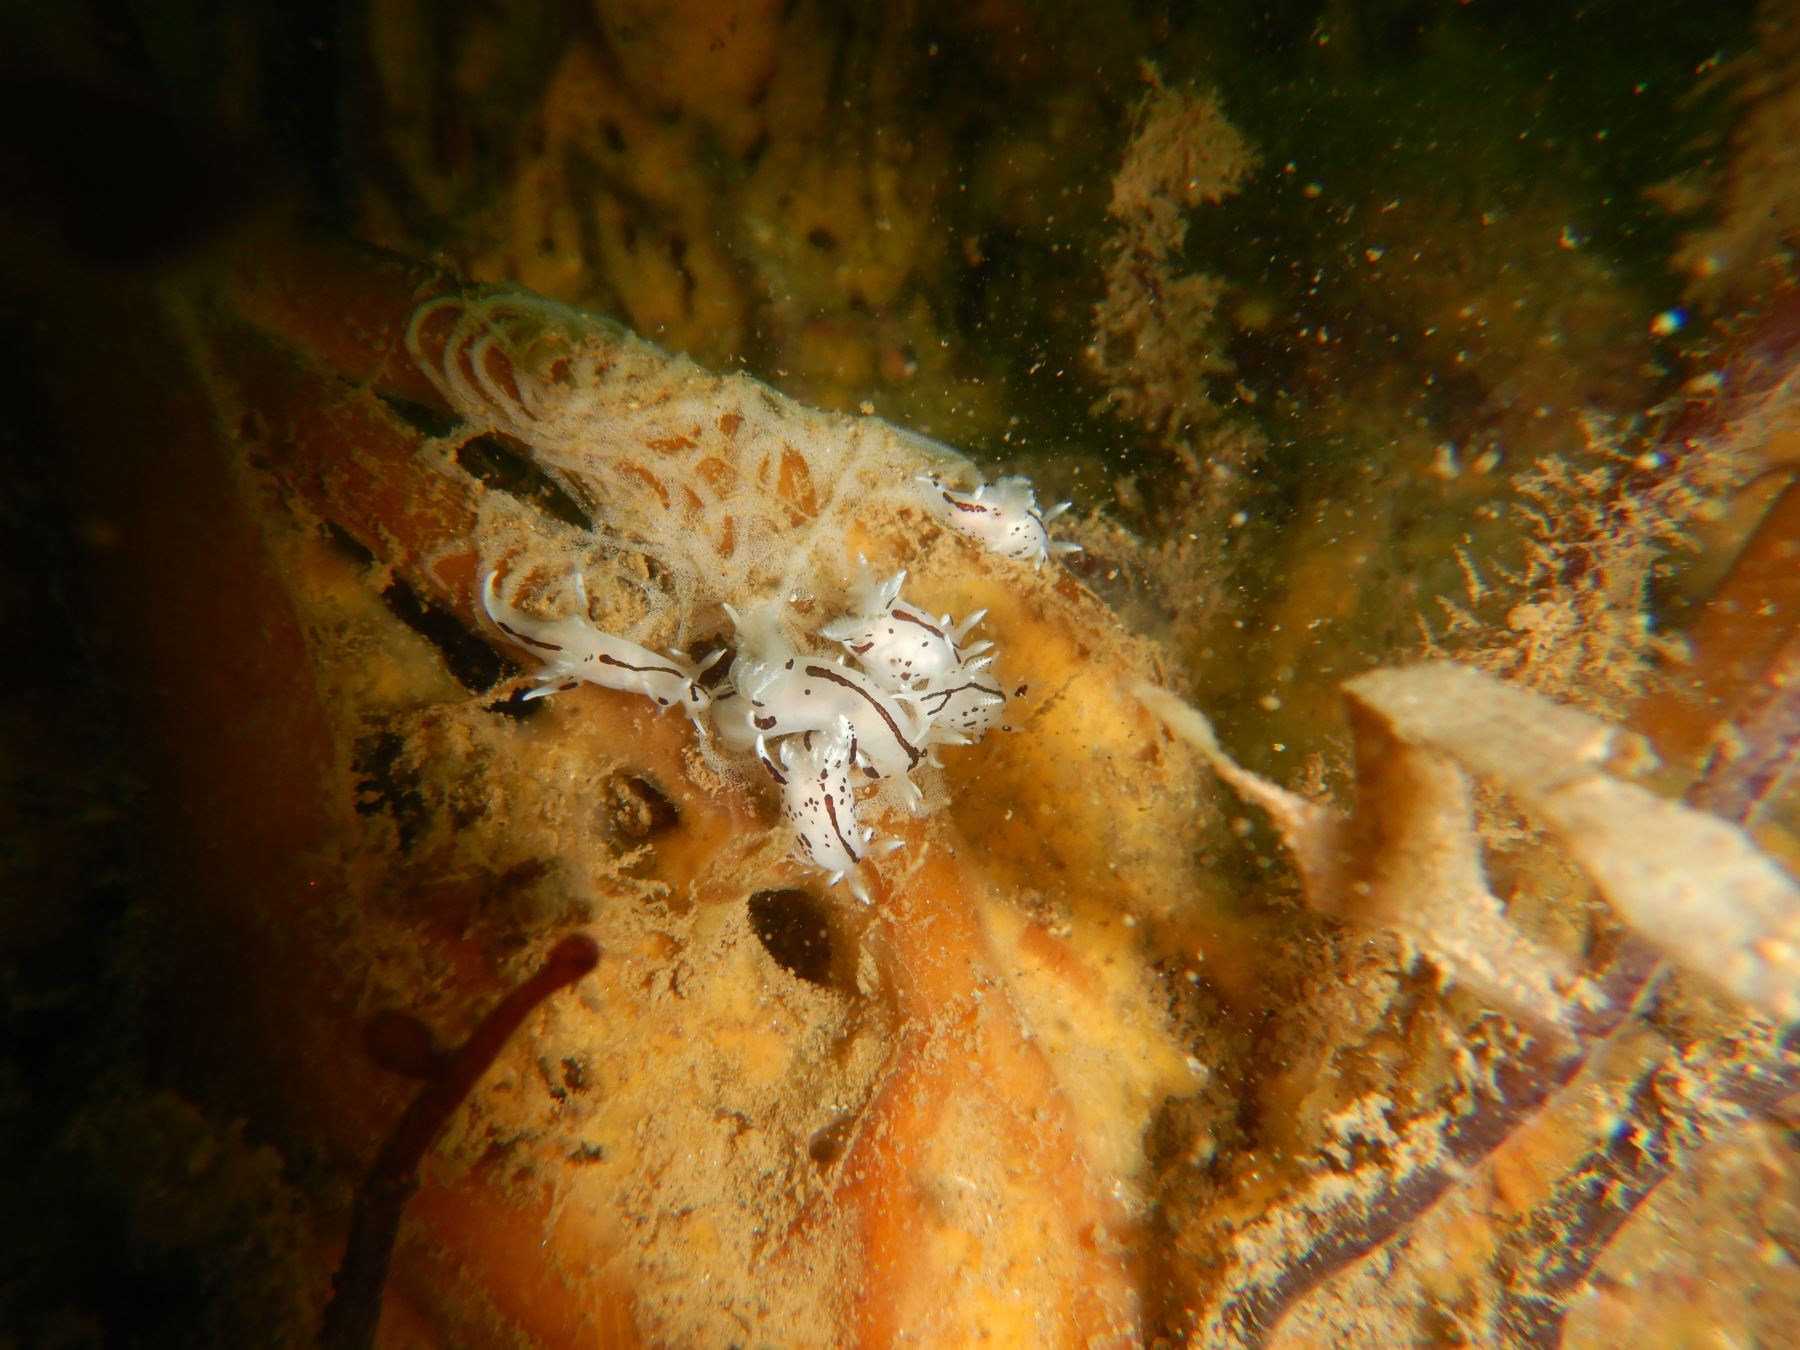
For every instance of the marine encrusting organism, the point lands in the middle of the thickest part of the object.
(400, 1042)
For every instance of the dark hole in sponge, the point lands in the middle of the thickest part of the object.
(499, 465)
(828, 1142)
(470, 661)
(793, 928)
(498, 461)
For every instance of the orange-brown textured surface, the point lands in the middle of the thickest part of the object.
(970, 1200)
(1737, 637)
(1425, 329)
(971, 1194)
(967, 1092)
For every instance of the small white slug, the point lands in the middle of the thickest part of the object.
(1005, 517)
(787, 693)
(573, 651)
(900, 645)
(814, 775)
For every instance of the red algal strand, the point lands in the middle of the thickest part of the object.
(355, 1309)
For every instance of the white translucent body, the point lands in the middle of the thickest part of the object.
(816, 797)
(900, 645)
(964, 709)
(1005, 517)
(781, 692)
(574, 649)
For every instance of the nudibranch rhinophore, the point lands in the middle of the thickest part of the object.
(765, 537)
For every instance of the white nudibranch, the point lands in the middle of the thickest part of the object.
(814, 775)
(574, 651)
(780, 691)
(1005, 517)
(901, 645)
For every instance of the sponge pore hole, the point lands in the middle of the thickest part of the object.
(794, 928)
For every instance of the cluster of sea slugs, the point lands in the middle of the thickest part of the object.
(819, 723)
